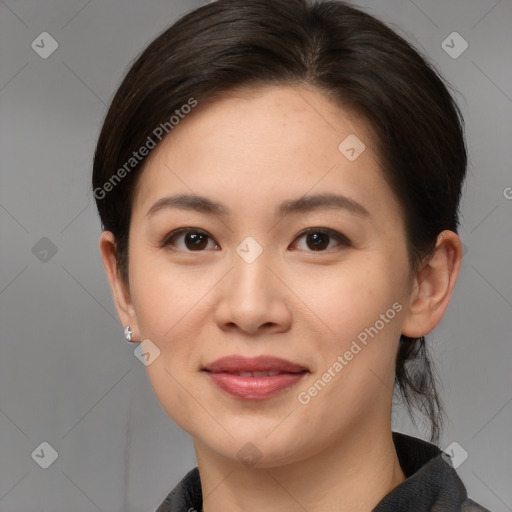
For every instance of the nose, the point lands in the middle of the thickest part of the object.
(253, 297)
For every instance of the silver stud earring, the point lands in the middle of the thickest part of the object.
(128, 333)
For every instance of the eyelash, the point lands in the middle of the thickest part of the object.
(342, 239)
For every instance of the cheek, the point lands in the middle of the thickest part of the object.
(360, 306)
(163, 294)
(171, 316)
(360, 310)
(173, 308)
(349, 297)
(168, 310)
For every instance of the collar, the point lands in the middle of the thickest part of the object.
(431, 484)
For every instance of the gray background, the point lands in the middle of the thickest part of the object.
(66, 375)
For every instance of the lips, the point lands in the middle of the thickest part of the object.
(256, 366)
(254, 378)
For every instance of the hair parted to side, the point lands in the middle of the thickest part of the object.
(356, 60)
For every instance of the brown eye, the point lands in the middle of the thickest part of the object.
(319, 239)
(193, 240)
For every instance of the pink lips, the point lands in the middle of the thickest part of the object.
(254, 378)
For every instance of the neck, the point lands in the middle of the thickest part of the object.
(354, 475)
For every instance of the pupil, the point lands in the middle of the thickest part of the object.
(319, 240)
(197, 240)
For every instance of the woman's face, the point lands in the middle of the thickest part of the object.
(248, 282)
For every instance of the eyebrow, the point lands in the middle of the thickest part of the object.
(301, 205)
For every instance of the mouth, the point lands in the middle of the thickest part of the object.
(254, 378)
(261, 373)
(263, 365)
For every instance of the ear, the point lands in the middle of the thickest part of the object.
(120, 290)
(433, 286)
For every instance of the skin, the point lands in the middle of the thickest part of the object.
(251, 150)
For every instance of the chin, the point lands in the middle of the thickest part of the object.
(259, 446)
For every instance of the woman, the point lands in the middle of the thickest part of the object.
(278, 184)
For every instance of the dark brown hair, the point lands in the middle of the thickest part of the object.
(357, 61)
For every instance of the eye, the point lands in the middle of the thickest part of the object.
(194, 239)
(318, 239)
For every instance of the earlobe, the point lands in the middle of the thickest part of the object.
(433, 286)
(118, 287)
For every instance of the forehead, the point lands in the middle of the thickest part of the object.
(256, 142)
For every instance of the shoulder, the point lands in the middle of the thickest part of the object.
(431, 483)
(472, 506)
